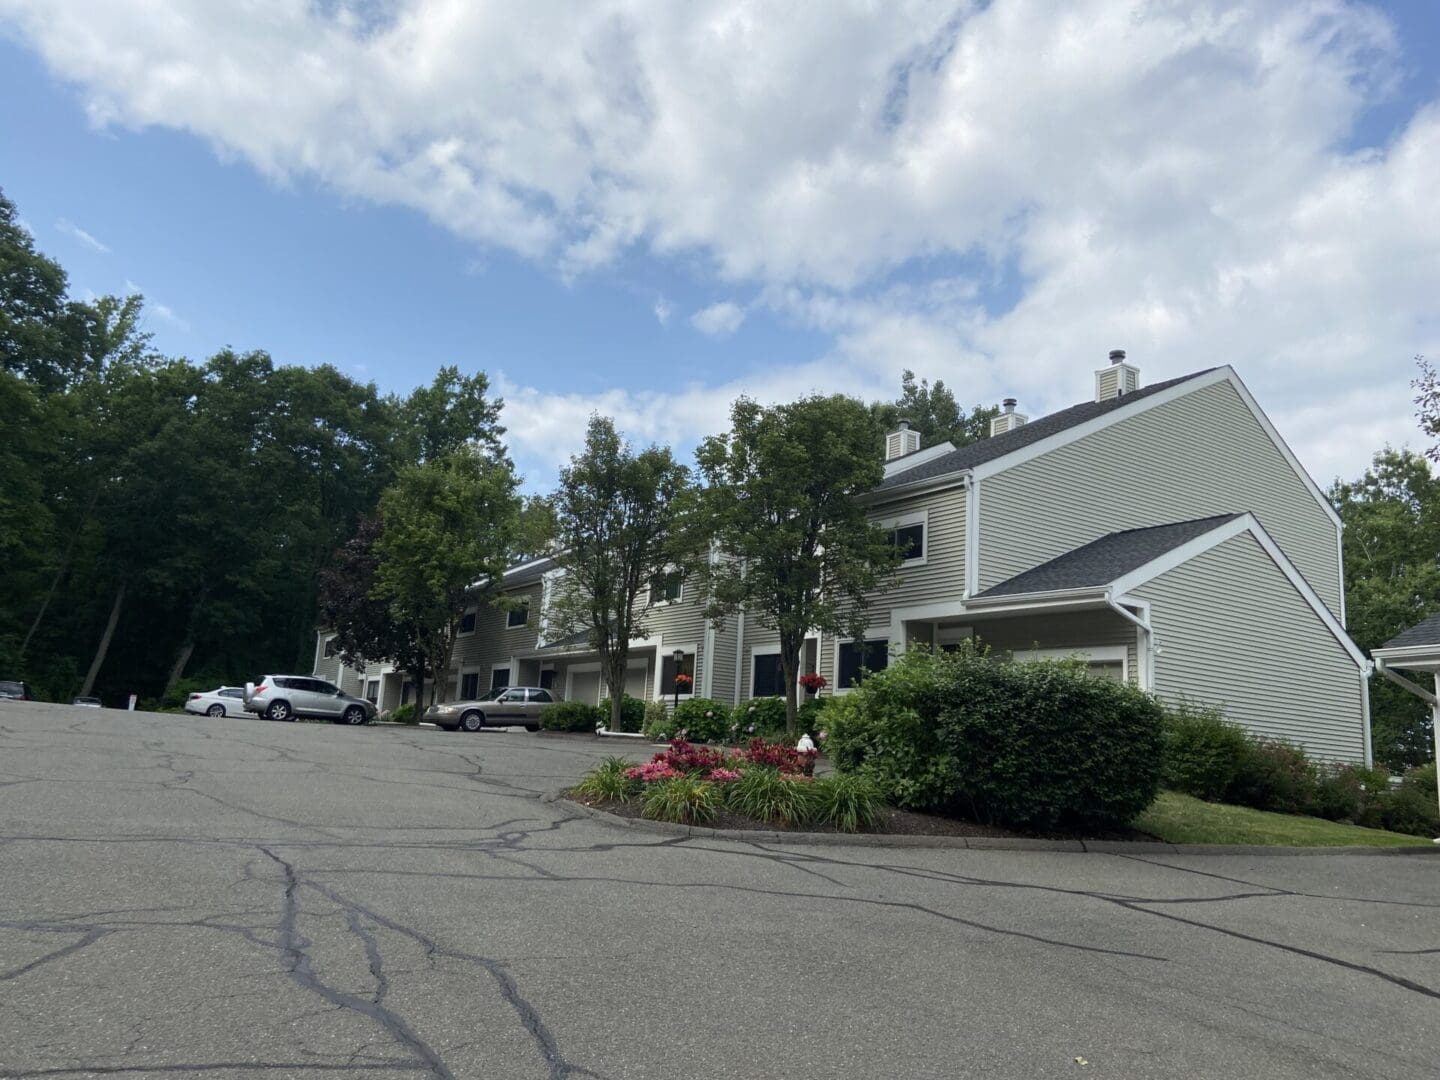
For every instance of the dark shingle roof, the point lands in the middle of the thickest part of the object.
(1102, 561)
(1426, 633)
(977, 453)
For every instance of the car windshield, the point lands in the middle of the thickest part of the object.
(12, 687)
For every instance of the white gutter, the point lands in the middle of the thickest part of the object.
(1028, 599)
(1425, 696)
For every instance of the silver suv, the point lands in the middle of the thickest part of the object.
(285, 697)
(505, 706)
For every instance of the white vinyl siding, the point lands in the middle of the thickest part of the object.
(1233, 632)
(1199, 455)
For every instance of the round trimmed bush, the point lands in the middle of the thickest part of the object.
(1032, 745)
(766, 714)
(704, 719)
(1203, 754)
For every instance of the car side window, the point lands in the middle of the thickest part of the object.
(320, 686)
(514, 695)
(542, 696)
(287, 684)
(232, 693)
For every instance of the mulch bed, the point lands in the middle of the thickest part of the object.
(892, 822)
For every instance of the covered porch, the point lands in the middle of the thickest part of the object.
(1411, 660)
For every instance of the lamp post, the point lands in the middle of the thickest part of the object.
(679, 657)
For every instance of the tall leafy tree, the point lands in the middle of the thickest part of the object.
(782, 503)
(448, 529)
(933, 411)
(453, 411)
(617, 528)
(1392, 581)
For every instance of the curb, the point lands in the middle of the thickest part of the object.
(972, 843)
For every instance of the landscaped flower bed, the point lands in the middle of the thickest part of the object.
(766, 782)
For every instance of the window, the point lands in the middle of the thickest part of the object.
(467, 622)
(667, 588)
(232, 693)
(510, 697)
(547, 678)
(541, 696)
(668, 673)
(857, 655)
(518, 616)
(910, 539)
(499, 678)
(372, 691)
(320, 686)
(329, 647)
(470, 686)
(767, 677)
(406, 689)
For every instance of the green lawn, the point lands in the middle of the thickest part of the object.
(1181, 819)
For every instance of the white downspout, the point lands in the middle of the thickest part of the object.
(1424, 695)
(1147, 654)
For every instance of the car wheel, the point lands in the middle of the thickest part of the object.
(279, 710)
(532, 728)
(215, 710)
(472, 721)
(354, 715)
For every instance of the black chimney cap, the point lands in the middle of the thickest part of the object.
(1009, 404)
(1117, 355)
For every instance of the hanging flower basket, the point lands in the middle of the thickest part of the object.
(813, 682)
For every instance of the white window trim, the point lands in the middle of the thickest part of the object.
(679, 599)
(1097, 654)
(468, 611)
(510, 611)
(875, 633)
(662, 653)
(506, 666)
(915, 517)
(468, 669)
(773, 649)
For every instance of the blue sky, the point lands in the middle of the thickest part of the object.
(658, 208)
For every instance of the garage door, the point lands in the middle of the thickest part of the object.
(635, 681)
(585, 686)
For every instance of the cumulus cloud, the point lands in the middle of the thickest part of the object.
(663, 311)
(719, 320)
(994, 194)
(74, 231)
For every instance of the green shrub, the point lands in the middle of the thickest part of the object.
(683, 800)
(762, 793)
(766, 715)
(659, 724)
(1274, 775)
(177, 695)
(632, 714)
(608, 781)
(570, 716)
(704, 719)
(1203, 754)
(403, 714)
(1035, 745)
(810, 718)
(1411, 806)
(848, 801)
(1350, 793)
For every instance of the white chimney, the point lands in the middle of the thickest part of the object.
(903, 440)
(1118, 379)
(1008, 420)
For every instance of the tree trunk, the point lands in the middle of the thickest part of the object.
(790, 668)
(183, 658)
(89, 683)
(59, 574)
(419, 688)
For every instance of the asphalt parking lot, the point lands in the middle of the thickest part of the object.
(230, 898)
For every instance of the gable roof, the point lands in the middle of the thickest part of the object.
(1425, 633)
(1102, 561)
(996, 446)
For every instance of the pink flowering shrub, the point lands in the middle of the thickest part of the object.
(722, 776)
(779, 756)
(654, 771)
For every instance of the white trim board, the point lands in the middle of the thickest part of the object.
(1245, 523)
(1099, 654)
(904, 464)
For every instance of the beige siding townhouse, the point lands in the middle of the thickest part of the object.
(1165, 534)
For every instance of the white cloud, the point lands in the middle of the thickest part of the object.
(719, 320)
(663, 310)
(1173, 179)
(154, 307)
(74, 231)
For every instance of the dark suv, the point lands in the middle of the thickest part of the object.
(285, 697)
(14, 690)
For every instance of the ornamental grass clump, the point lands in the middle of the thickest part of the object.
(767, 794)
(683, 800)
(610, 779)
(849, 803)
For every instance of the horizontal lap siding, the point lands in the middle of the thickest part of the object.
(942, 578)
(1199, 455)
(723, 661)
(679, 624)
(1063, 630)
(1232, 631)
(493, 642)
